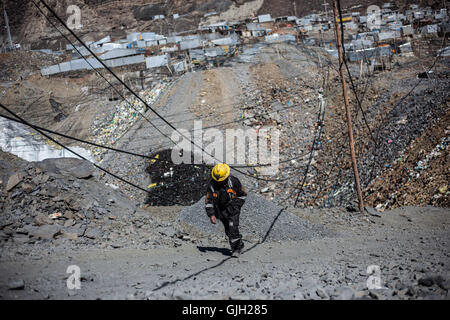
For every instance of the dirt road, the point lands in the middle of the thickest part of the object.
(409, 245)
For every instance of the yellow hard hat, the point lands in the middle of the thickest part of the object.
(220, 172)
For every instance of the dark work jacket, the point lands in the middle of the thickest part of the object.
(229, 197)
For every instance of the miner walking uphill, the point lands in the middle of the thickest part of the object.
(225, 197)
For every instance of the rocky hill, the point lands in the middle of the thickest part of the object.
(60, 200)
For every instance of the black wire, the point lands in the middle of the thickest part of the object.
(80, 156)
(137, 96)
(128, 152)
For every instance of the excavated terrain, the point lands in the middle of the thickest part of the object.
(158, 243)
(56, 214)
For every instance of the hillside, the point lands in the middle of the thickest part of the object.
(115, 17)
(107, 170)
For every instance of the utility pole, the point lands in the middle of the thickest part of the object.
(295, 8)
(7, 26)
(346, 102)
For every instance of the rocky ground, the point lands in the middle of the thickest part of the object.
(56, 213)
(61, 200)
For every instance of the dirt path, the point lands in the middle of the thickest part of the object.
(181, 106)
(144, 138)
(410, 245)
(218, 98)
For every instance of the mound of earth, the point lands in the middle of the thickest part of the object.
(170, 183)
(260, 220)
(59, 203)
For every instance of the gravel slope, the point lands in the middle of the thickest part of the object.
(260, 219)
(410, 245)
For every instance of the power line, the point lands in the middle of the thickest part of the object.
(78, 155)
(84, 58)
(125, 151)
(135, 94)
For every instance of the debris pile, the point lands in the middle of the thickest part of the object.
(183, 184)
(59, 201)
(260, 220)
(109, 129)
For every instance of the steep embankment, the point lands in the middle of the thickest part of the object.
(402, 159)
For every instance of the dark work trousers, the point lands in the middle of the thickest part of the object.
(230, 220)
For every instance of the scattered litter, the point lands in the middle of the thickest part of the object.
(55, 215)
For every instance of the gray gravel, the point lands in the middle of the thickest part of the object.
(259, 218)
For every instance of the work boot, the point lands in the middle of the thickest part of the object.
(238, 250)
(236, 253)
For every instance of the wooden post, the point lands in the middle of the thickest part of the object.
(361, 69)
(347, 107)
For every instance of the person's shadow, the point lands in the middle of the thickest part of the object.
(224, 251)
